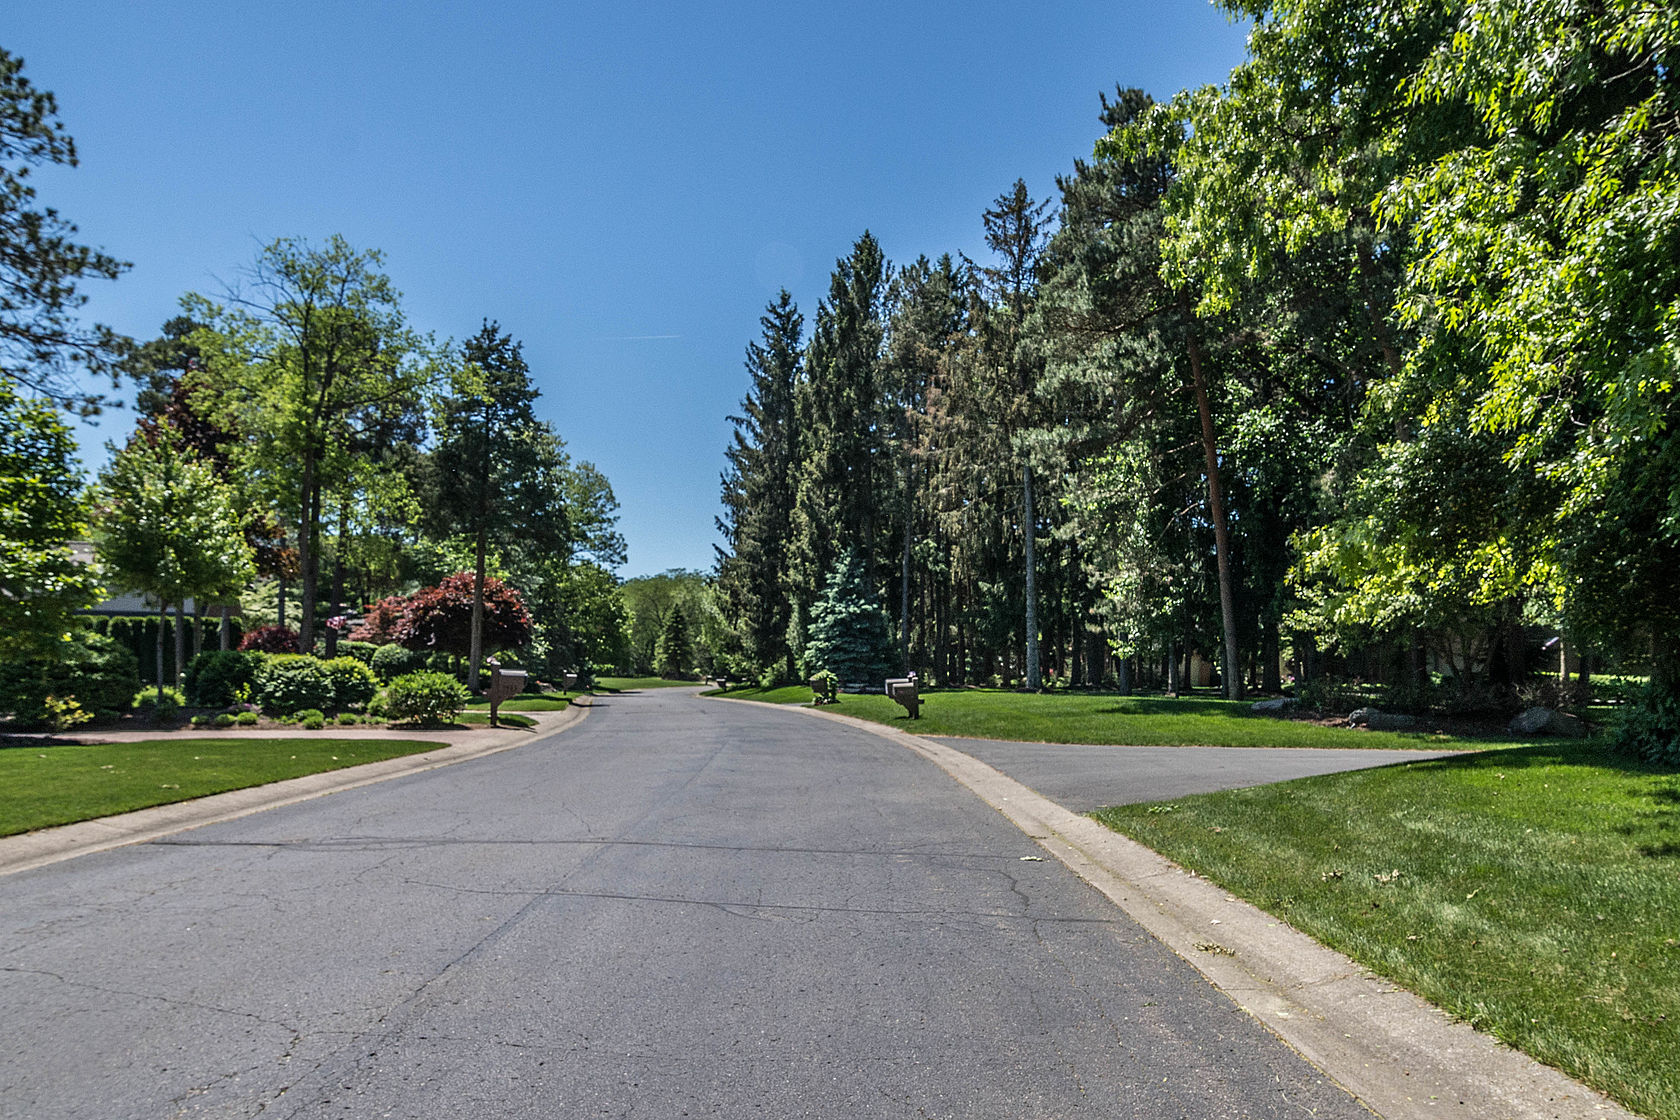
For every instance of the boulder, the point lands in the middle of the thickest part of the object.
(1361, 716)
(1545, 721)
(1390, 721)
(1281, 704)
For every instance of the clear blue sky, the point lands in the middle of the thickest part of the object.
(623, 186)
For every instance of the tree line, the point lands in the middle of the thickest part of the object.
(301, 449)
(1361, 362)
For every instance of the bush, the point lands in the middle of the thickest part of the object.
(391, 661)
(349, 718)
(146, 701)
(99, 673)
(271, 639)
(313, 719)
(353, 683)
(376, 706)
(246, 719)
(1650, 728)
(361, 651)
(429, 699)
(218, 678)
(62, 715)
(292, 682)
(227, 719)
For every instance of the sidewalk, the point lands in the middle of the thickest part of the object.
(50, 845)
(1402, 1057)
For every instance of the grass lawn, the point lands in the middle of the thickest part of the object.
(637, 684)
(48, 785)
(547, 702)
(1534, 892)
(1084, 717)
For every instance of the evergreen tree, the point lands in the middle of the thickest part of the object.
(673, 655)
(850, 635)
(759, 491)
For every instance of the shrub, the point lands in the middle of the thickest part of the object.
(246, 719)
(271, 639)
(429, 699)
(313, 719)
(361, 651)
(349, 718)
(1650, 728)
(391, 661)
(376, 706)
(217, 678)
(227, 719)
(292, 683)
(147, 701)
(62, 715)
(353, 683)
(99, 673)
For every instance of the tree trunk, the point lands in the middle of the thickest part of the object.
(1035, 680)
(1172, 667)
(198, 627)
(308, 546)
(163, 620)
(1271, 679)
(180, 641)
(224, 629)
(280, 602)
(338, 578)
(476, 656)
(1216, 507)
(904, 574)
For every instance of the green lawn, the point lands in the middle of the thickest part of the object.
(547, 702)
(1534, 892)
(638, 684)
(504, 717)
(48, 785)
(1083, 717)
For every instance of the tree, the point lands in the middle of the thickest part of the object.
(314, 354)
(759, 491)
(42, 347)
(42, 509)
(850, 635)
(673, 655)
(170, 528)
(487, 459)
(440, 619)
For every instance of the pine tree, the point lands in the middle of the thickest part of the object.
(673, 655)
(759, 491)
(849, 631)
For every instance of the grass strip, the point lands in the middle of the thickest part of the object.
(1533, 892)
(1110, 719)
(548, 702)
(504, 717)
(41, 786)
(639, 684)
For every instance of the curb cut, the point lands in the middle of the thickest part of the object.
(1399, 1055)
(30, 850)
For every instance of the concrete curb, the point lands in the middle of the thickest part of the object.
(50, 845)
(1399, 1055)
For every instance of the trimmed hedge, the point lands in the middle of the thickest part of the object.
(391, 661)
(220, 678)
(292, 682)
(428, 699)
(353, 683)
(97, 671)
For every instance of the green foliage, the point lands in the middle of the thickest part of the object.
(162, 703)
(361, 651)
(41, 345)
(825, 687)
(429, 699)
(246, 719)
(849, 635)
(228, 719)
(1650, 728)
(42, 508)
(90, 668)
(390, 661)
(648, 601)
(311, 719)
(673, 654)
(218, 678)
(291, 682)
(63, 714)
(353, 684)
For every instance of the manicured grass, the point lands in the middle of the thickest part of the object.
(1534, 892)
(48, 785)
(637, 684)
(1105, 718)
(547, 702)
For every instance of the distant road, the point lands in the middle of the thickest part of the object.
(679, 908)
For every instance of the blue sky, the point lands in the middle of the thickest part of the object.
(623, 186)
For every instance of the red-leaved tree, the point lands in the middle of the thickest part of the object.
(380, 623)
(439, 619)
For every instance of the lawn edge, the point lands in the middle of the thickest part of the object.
(26, 851)
(1395, 1052)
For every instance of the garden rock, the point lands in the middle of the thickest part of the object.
(1375, 720)
(1359, 717)
(1280, 704)
(1545, 721)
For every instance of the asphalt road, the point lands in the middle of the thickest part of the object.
(681, 907)
(1083, 778)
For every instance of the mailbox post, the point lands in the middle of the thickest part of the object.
(504, 685)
